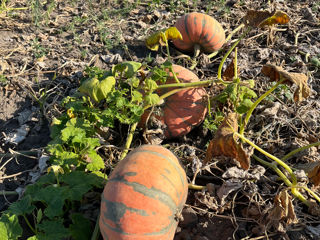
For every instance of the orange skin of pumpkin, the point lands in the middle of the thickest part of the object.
(143, 195)
(182, 110)
(198, 28)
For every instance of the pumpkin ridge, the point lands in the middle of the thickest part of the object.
(118, 228)
(218, 43)
(171, 161)
(206, 40)
(186, 26)
(171, 183)
(204, 23)
(148, 192)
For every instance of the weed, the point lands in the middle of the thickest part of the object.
(38, 50)
(3, 80)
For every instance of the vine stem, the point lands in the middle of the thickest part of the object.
(134, 125)
(129, 140)
(190, 84)
(169, 57)
(95, 234)
(284, 178)
(211, 55)
(29, 224)
(9, 193)
(275, 168)
(228, 53)
(290, 154)
(255, 104)
(274, 158)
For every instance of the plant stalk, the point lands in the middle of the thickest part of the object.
(274, 158)
(228, 53)
(129, 140)
(290, 154)
(255, 104)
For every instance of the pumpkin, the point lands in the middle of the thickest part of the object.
(183, 110)
(143, 196)
(199, 30)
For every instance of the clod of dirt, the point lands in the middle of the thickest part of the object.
(190, 217)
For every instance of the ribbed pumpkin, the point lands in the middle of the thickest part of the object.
(199, 29)
(184, 109)
(143, 196)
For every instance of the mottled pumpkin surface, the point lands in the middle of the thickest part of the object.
(183, 110)
(201, 29)
(143, 195)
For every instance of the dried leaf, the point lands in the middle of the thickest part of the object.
(313, 171)
(228, 74)
(261, 18)
(283, 210)
(224, 143)
(276, 73)
(228, 187)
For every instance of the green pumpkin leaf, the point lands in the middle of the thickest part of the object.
(10, 228)
(129, 68)
(22, 207)
(134, 82)
(95, 161)
(244, 106)
(104, 87)
(173, 33)
(53, 230)
(54, 197)
(80, 228)
(89, 88)
(136, 96)
(33, 238)
(151, 85)
(152, 99)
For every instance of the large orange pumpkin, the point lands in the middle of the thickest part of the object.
(182, 110)
(143, 196)
(199, 29)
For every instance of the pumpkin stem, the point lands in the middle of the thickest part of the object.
(196, 50)
(196, 187)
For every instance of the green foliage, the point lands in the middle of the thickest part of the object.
(239, 94)
(48, 204)
(9, 227)
(3, 80)
(213, 122)
(104, 98)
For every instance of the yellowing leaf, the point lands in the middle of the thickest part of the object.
(278, 18)
(162, 37)
(276, 73)
(255, 18)
(153, 41)
(224, 143)
(173, 33)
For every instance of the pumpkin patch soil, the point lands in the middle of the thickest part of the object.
(45, 49)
